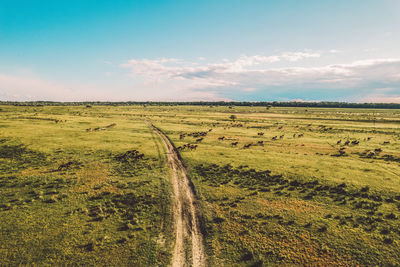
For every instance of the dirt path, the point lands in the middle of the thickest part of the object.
(187, 227)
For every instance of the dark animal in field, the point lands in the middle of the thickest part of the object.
(97, 128)
(280, 137)
(300, 135)
(355, 142)
(260, 134)
(378, 150)
(199, 140)
(209, 130)
(192, 147)
(234, 143)
(347, 143)
(111, 125)
(88, 129)
(339, 142)
(247, 146)
(65, 166)
(221, 138)
(181, 136)
(280, 127)
(386, 142)
(260, 143)
(198, 134)
(369, 138)
(274, 138)
(187, 146)
(131, 155)
(340, 153)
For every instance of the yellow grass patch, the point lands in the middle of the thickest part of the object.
(94, 174)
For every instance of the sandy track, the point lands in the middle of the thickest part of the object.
(187, 226)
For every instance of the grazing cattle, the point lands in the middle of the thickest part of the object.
(199, 140)
(260, 134)
(355, 142)
(260, 143)
(339, 142)
(386, 142)
(221, 138)
(369, 138)
(181, 136)
(274, 138)
(300, 135)
(280, 137)
(88, 129)
(234, 143)
(378, 150)
(347, 143)
(280, 127)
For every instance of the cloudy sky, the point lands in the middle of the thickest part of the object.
(254, 50)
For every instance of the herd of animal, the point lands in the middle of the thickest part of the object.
(101, 128)
(341, 151)
(201, 135)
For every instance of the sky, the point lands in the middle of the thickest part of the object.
(208, 50)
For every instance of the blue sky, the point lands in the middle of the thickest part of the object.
(200, 50)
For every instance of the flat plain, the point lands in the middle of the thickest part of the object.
(90, 185)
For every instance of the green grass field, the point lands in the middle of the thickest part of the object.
(275, 186)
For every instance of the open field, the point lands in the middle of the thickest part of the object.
(278, 186)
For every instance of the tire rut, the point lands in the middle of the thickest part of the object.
(187, 225)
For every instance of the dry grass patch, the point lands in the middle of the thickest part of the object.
(94, 176)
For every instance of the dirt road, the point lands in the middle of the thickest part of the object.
(187, 227)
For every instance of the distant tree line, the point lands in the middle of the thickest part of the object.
(323, 104)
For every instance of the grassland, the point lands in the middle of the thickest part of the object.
(288, 193)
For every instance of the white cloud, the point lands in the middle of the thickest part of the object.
(296, 56)
(255, 74)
